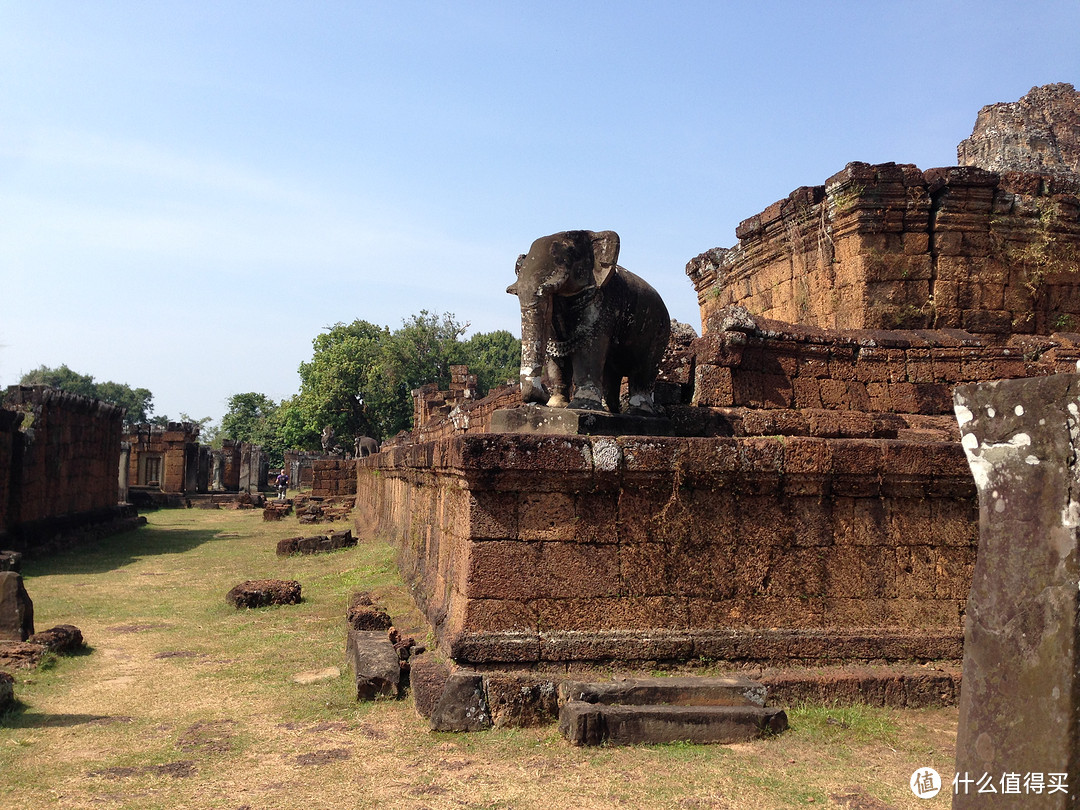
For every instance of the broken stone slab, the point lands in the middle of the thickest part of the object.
(16, 608)
(20, 655)
(64, 638)
(288, 546)
(368, 617)
(539, 419)
(1021, 672)
(674, 691)
(375, 664)
(262, 592)
(594, 723)
(463, 705)
(428, 675)
(360, 598)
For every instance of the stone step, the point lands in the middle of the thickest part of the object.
(674, 691)
(595, 723)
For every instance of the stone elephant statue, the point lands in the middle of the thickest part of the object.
(590, 322)
(364, 446)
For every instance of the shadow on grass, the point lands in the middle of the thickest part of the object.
(19, 715)
(117, 551)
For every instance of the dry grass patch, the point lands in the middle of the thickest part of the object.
(185, 702)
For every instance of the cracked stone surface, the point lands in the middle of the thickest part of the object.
(1018, 701)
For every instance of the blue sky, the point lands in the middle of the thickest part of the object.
(190, 192)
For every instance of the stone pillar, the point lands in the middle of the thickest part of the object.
(246, 476)
(217, 475)
(124, 472)
(16, 609)
(1020, 698)
(191, 469)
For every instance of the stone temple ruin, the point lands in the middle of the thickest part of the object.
(811, 503)
(801, 497)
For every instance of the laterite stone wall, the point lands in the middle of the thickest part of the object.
(333, 477)
(888, 246)
(63, 464)
(524, 548)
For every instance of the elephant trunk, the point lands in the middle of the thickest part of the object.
(535, 330)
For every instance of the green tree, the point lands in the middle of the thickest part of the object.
(361, 376)
(248, 418)
(253, 418)
(494, 357)
(137, 401)
(419, 353)
(291, 426)
(340, 383)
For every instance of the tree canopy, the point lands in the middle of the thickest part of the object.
(137, 401)
(253, 418)
(361, 376)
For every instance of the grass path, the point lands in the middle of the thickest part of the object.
(184, 702)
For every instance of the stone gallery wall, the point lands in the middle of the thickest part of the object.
(174, 448)
(331, 477)
(889, 246)
(524, 548)
(784, 366)
(63, 462)
(9, 435)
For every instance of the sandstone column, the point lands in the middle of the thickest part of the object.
(1020, 699)
(125, 462)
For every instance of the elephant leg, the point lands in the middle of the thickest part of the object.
(641, 395)
(588, 375)
(612, 390)
(559, 375)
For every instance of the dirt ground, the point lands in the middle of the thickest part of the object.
(182, 701)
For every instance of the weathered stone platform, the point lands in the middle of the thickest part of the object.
(748, 549)
(541, 420)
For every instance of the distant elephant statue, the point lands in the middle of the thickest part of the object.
(591, 323)
(365, 446)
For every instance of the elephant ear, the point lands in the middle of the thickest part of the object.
(605, 256)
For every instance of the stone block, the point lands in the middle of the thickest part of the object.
(500, 615)
(375, 664)
(16, 608)
(262, 592)
(624, 613)
(595, 724)
(492, 515)
(20, 655)
(368, 617)
(62, 639)
(541, 420)
(713, 386)
(463, 704)
(428, 675)
(732, 690)
(288, 546)
(521, 701)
